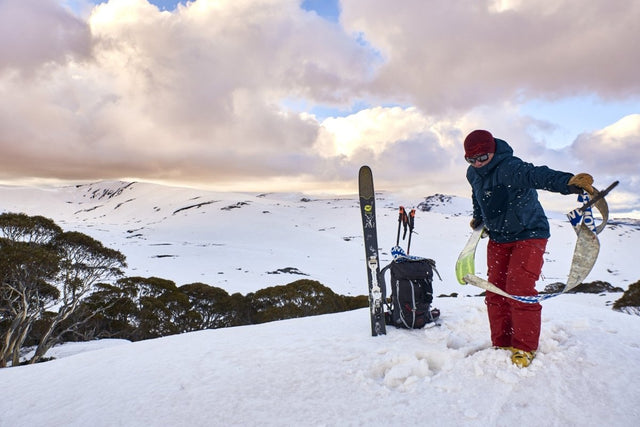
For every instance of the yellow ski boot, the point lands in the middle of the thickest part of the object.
(522, 358)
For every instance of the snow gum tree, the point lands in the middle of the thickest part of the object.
(45, 274)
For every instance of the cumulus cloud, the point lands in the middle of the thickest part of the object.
(403, 145)
(33, 32)
(614, 148)
(176, 95)
(222, 92)
(372, 129)
(460, 54)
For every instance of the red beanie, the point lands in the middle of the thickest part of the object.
(479, 142)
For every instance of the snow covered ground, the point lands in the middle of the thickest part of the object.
(324, 370)
(327, 370)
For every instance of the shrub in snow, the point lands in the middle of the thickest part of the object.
(630, 301)
(596, 287)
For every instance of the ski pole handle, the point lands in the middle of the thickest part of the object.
(600, 195)
(412, 217)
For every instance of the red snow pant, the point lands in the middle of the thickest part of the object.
(514, 267)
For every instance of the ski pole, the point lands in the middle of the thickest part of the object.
(412, 216)
(405, 223)
(401, 217)
(598, 196)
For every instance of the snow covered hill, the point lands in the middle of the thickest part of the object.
(243, 242)
(324, 370)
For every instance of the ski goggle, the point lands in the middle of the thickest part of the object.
(481, 158)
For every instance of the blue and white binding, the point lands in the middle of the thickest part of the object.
(583, 215)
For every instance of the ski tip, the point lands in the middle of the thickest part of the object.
(365, 173)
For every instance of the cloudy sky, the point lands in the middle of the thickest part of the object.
(263, 95)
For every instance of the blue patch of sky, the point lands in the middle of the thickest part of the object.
(168, 5)
(323, 111)
(575, 115)
(327, 9)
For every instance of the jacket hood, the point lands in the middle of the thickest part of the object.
(503, 151)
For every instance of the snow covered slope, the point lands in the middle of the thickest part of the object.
(324, 370)
(240, 241)
(328, 370)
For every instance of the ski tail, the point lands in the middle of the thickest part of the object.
(584, 256)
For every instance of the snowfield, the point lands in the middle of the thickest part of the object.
(324, 370)
(240, 241)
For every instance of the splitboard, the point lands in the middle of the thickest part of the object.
(584, 257)
(466, 260)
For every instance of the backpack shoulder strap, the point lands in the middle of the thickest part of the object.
(433, 266)
(383, 283)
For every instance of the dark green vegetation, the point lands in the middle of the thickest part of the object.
(58, 286)
(630, 300)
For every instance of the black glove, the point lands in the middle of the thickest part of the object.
(475, 223)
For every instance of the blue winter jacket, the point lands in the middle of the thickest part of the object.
(505, 196)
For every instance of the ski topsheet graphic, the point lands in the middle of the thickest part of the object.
(584, 214)
(368, 213)
(584, 258)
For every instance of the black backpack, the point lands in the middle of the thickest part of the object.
(411, 283)
(411, 292)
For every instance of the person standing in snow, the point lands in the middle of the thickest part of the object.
(505, 200)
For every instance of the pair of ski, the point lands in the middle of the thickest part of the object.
(584, 255)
